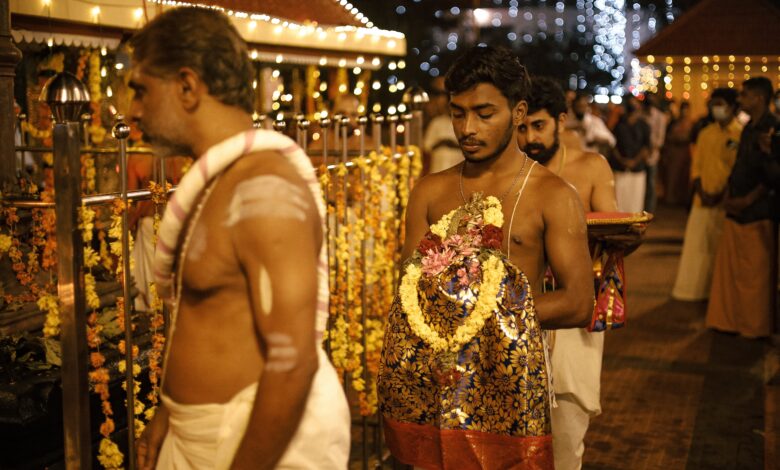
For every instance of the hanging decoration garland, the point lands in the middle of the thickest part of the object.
(368, 210)
(157, 320)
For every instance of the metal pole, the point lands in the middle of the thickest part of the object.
(70, 289)
(303, 130)
(341, 124)
(298, 129)
(377, 120)
(324, 125)
(9, 57)
(121, 131)
(362, 121)
(336, 130)
(393, 120)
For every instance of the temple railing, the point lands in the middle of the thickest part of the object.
(366, 171)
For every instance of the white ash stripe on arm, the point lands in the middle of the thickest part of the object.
(266, 196)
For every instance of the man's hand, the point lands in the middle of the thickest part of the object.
(147, 447)
(710, 199)
(765, 141)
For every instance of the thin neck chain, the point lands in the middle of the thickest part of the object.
(501, 199)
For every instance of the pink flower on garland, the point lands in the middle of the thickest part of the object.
(435, 262)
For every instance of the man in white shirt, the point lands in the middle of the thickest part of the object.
(596, 137)
(439, 142)
(657, 121)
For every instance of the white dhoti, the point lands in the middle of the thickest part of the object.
(630, 190)
(207, 436)
(143, 256)
(702, 234)
(576, 367)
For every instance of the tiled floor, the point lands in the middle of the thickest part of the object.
(675, 395)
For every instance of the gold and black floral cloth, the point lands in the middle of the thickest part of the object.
(486, 407)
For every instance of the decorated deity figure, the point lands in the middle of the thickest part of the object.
(464, 380)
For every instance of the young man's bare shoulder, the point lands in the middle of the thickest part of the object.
(434, 183)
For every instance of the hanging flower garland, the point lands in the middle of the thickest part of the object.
(88, 173)
(109, 455)
(116, 233)
(94, 82)
(157, 320)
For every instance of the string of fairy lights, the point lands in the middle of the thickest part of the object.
(684, 76)
(281, 92)
(613, 27)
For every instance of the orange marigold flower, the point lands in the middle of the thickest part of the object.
(107, 427)
(97, 359)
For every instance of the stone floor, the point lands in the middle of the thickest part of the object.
(674, 394)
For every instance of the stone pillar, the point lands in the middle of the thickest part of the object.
(9, 57)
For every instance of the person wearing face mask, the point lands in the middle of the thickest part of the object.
(744, 280)
(595, 135)
(630, 156)
(712, 160)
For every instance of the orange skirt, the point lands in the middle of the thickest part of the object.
(431, 448)
(744, 280)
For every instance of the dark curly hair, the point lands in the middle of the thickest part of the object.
(497, 66)
(761, 85)
(547, 94)
(729, 95)
(203, 40)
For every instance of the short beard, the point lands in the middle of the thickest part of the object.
(544, 154)
(502, 145)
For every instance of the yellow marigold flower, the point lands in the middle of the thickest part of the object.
(109, 456)
(91, 258)
(494, 216)
(90, 291)
(5, 243)
(139, 427)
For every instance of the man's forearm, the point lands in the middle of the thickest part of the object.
(279, 405)
(565, 308)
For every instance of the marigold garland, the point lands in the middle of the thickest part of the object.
(157, 320)
(367, 211)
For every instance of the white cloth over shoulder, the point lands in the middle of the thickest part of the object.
(206, 437)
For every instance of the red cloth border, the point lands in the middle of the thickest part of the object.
(431, 448)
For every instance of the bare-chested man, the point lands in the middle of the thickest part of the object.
(475, 400)
(246, 383)
(549, 220)
(576, 354)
